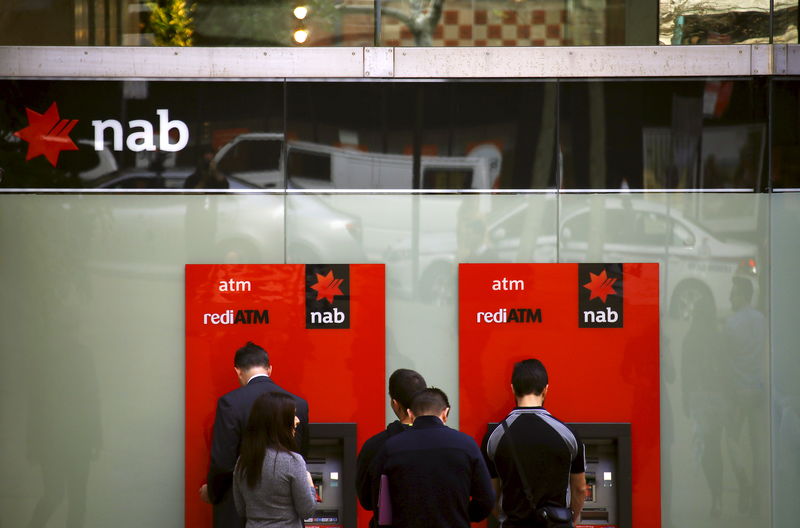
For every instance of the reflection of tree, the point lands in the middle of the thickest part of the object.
(270, 22)
(421, 18)
(171, 22)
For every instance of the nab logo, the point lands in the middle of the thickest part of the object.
(47, 134)
(600, 295)
(327, 296)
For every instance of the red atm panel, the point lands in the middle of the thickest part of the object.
(596, 329)
(323, 327)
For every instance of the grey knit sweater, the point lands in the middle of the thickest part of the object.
(283, 496)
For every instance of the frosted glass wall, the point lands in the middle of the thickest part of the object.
(91, 333)
(92, 348)
(785, 334)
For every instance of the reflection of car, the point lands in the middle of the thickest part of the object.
(95, 163)
(172, 178)
(236, 228)
(695, 263)
(256, 157)
(75, 168)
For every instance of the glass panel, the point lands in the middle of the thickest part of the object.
(785, 22)
(518, 23)
(785, 359)
(422, 239)
(714, 351)
(92, 357)
(715, 22)
(141, 135)
(187, 23)
(786, 134)
(667, 134)
(284, 23)
(421, 135)
(404, 22)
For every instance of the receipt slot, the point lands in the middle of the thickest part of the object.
(331, 460)
(608, 501)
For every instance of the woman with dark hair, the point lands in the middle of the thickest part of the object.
(271, 485)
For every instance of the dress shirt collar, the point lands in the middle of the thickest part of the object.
(257, 376)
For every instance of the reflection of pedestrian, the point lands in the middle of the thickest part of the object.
(64, 431)
(206, 175)
(476, 242)
(704, 403)
(745, 341)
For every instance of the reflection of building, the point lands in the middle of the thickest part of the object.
(491, 24)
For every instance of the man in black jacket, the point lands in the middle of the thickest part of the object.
(437, 475)
(551, 455)
(403, 385)
(253, 369)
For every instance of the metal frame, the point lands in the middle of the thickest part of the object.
(32, 62)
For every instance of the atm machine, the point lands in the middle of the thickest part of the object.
(608, 501)
(331, 461)
(608, 474)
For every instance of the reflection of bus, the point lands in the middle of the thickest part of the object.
(256, 157)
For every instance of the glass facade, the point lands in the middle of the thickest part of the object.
(397, 22)
(512, 135)
(697, 174)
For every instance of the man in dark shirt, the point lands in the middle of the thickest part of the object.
(437, 476)
(549, 453)
(253, 369)
(403, 385)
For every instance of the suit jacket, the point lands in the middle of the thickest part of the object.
(233, 409)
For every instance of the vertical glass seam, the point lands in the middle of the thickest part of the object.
(559, 169)
(378, 22)
(285, 155)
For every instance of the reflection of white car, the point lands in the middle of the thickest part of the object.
(694, 262)
(155, 232)
(95, 163)
(256, 158)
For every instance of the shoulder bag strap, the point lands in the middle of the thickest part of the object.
(522, 476)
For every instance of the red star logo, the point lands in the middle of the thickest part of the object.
(327, 286)
(601, 286)
(47, 134)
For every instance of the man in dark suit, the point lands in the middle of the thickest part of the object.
(253, 369)
(437, 476)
